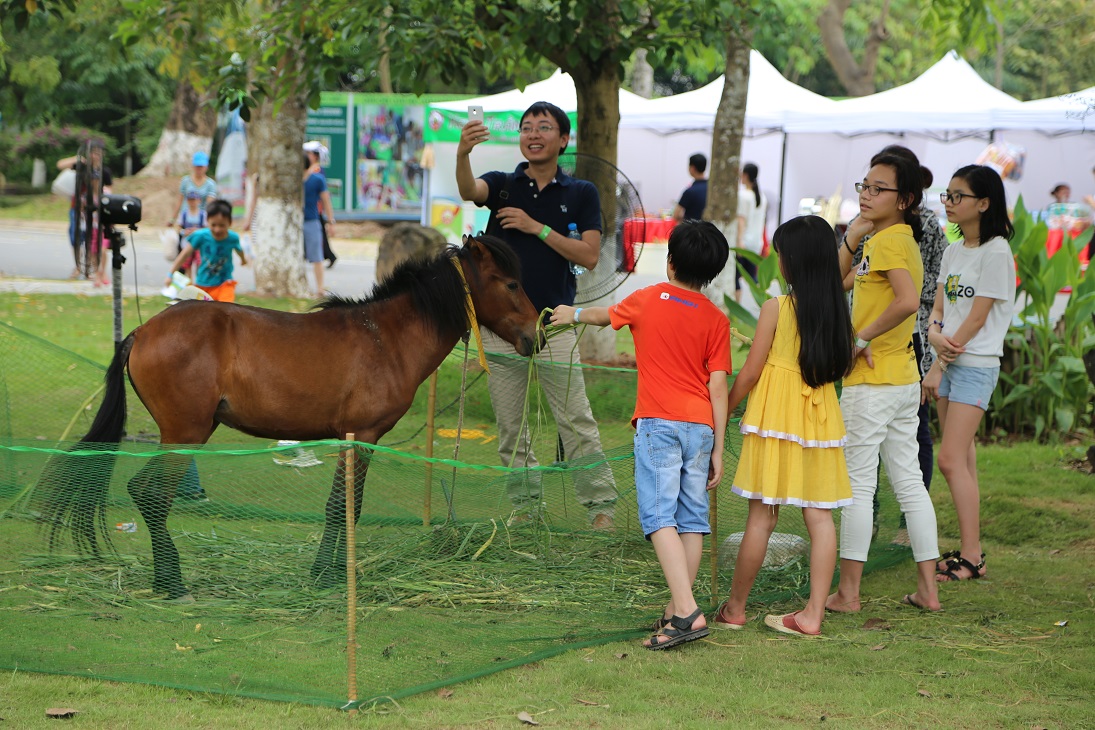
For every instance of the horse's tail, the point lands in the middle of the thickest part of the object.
(73, 487)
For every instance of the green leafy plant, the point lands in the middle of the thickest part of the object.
(767, 273)
(1044, 387)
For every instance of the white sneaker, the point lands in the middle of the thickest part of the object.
(302, 458)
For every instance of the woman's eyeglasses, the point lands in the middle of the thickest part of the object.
(873, 190)
(956, 198)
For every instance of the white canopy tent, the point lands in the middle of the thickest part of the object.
(815, 147)
(670, 129)
(949, 100)
(1058, 134)
(771, 97)
(947, 115)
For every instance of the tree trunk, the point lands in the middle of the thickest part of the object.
(642, 75)
(598, 89)
(384, 66)
(857, 78)
(189, 128)
(726, 138)
(274, 152)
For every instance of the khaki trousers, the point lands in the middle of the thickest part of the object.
(564, 387)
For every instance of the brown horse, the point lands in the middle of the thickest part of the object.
(352, 366)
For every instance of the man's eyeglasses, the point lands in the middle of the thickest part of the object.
(541, 128)
(873, 190)
(956, 198)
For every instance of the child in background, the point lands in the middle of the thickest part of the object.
(974, 301)
(215, 244)
(191, 217)
(682, 347)
(792, 452)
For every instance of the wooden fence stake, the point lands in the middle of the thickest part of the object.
(351, 577)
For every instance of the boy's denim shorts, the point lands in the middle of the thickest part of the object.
(672, 459)
(972, 386)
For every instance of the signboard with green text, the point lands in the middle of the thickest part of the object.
(376, 143)
(444, 125)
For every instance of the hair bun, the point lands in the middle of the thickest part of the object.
(926, 176)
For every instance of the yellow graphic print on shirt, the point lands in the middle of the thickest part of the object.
(951, 287)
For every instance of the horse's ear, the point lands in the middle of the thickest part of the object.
(473, 247)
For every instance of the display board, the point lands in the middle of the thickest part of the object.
(376, 143)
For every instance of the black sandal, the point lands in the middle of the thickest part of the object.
(658, 625)
(679, 631)
(957, 563)
(945, 558)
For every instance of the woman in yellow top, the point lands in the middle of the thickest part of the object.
(881, 395)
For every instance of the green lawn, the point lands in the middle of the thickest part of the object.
(44, 207)
(995, 658)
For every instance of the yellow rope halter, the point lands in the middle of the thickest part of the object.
(471, 316)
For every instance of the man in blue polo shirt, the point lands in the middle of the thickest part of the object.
(532, 209)
(694, 199)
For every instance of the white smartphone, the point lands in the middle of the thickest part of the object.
(475, 113)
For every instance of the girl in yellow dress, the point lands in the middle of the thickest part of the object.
(793, 445)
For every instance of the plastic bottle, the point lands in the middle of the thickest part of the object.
(572, 232)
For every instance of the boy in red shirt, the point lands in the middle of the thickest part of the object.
(682, 347)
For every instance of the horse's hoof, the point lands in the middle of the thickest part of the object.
(184, 598)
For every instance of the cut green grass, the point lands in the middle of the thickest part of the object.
(995, 658)
(44, 207)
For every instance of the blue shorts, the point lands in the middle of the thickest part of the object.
(313, 241)
(672, 459)
(972, 386)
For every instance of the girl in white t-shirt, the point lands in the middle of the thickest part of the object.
(974, 302)
(752, 210)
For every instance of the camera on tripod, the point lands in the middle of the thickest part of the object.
(122, 210)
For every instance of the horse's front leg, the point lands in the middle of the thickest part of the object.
(152, 489)
(329, 569)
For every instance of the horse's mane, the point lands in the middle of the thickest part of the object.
(435, 286)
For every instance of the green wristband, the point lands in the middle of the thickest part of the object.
(544, 233)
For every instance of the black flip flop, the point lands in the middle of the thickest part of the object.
(679, 631)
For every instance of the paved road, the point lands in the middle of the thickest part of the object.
(37, 257)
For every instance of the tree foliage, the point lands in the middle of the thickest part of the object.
(62, 67)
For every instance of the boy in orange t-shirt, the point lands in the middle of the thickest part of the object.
(682, 347)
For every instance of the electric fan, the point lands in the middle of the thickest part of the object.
(623, 224)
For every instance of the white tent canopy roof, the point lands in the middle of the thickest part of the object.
(557, 89)
(949, 96)
(770, 97)
(1073, 112)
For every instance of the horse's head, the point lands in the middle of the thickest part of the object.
(493, 273)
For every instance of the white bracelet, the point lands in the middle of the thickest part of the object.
(861, 343)
(576, 313)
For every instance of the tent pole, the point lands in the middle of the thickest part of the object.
(782, 177)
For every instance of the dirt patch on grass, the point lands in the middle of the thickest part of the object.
(157, 194)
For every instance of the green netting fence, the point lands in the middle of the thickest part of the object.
(447, 588)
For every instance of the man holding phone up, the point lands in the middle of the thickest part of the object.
(531, 209)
